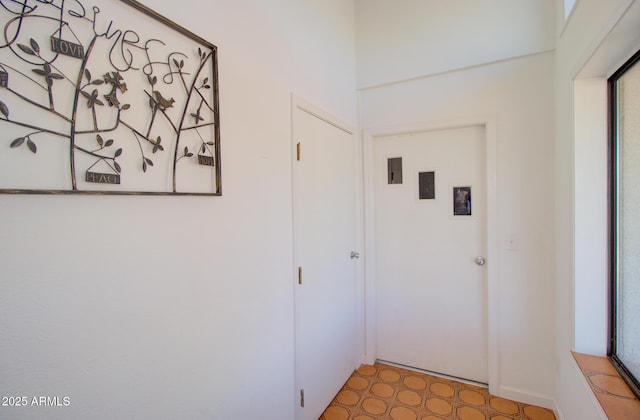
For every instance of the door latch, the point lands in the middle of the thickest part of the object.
(354, 255)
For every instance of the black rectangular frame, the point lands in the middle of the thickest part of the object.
(612, 198)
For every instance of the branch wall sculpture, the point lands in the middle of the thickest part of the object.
(99, 98)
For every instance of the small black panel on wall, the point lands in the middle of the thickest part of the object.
(426, 185)
(394, 170)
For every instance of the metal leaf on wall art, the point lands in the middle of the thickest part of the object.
(97, 97)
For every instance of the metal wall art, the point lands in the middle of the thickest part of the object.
(97, 97)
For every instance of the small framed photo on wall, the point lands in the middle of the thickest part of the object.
(462, 201)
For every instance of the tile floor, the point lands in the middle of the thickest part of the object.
(387, 392)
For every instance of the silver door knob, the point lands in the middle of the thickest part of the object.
(480, 261)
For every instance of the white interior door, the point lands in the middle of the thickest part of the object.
(431, 292)
(324, 236)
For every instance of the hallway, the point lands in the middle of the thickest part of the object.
(387, 392)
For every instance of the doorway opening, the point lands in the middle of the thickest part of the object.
(443, 191)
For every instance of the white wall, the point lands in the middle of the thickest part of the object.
(518, 93)
(399, 40)
(590, 192)
(167, 307)
(597, 38)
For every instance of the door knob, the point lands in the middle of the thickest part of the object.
(480, 261)
(355, 255)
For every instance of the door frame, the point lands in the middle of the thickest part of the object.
(300, 104)
(370, 315)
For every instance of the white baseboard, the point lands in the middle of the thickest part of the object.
(365, 359)
(519, 395)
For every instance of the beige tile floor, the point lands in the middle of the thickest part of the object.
(388, 392)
